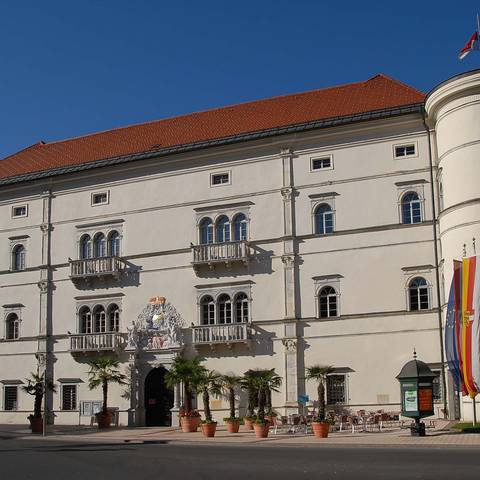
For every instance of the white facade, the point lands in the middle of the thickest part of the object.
(278, 268)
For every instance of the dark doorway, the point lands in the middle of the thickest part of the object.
(158, 399)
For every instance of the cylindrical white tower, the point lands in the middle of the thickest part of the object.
(453, 112)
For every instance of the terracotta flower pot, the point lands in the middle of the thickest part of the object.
(261, 430)
(189, 424)
(208, 429)
(233, 426)
(104, 420)
(320, 430)
(36, 424)
(248, 423)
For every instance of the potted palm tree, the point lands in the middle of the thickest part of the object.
(209, 384)
(265, 381)
(261, 425)
(230, 383)
(103, 371)
(187, 372)
(37, 387)
(318, 373)
(248, 384)
(274, 382)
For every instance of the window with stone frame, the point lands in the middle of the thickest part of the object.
(10, 397)
(207, 306)
(327, 295)
(99, 315)
(223, 223)
(418, 294)
(328, 302)
(336, 389)
(100, 240)
(69, 397)
(224, 305)
(12, 327)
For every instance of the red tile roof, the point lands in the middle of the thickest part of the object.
(378, 93)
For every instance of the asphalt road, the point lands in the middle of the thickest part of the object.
(52, 459)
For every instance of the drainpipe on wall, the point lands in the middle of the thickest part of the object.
(437, 270)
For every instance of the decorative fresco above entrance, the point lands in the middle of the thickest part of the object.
(158, 327)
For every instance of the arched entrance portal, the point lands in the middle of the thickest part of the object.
(158, 399)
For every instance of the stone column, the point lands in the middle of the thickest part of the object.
(291, 377)
(134, 387)
(290, 270)
(176, 406)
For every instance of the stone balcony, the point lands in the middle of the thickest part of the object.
(213, 254)
(221, 334)
(101, 267)
(96, 342)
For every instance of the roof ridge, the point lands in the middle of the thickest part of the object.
(399, 82)
(198, 112)
(33, 145)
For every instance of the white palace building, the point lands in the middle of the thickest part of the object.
(313, 228)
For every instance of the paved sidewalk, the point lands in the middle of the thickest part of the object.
(439, 436)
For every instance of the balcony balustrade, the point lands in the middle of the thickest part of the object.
(221, 334)
(227, 253)
(88, 268)
(96, 342)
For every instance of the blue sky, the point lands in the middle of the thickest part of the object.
(72, 68)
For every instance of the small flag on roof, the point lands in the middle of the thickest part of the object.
(472, 43)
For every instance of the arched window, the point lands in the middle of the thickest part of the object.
(323, 219)
(18, 258)
(411, 208)
(223, 230)
(206, 231)
(241, 308)
(418, 294)
(328, 302)
(86, 247)
(224, 309)
(85, 320)
(114, 244)
(208, 310)
(240, 231)
(12, 330)
(113, 318)
(100, 245)
(100, 320)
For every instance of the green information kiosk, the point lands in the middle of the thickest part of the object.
(416, 392)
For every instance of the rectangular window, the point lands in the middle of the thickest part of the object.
(100, 198)
(324, 163)
(10, 396)
(69, 397)
(437, 386)
(220, 178)
(405, 150)
(336, 391)
(19, 211)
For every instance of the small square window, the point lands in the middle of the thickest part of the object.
(10, 401)
(19, 211)
(220, 178)
(323, 163)
(405, 150)
(100, 198)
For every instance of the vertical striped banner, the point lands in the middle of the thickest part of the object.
(453, 328)
(468, 314)
(475, 328)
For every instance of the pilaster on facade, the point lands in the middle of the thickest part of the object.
(290, 343)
